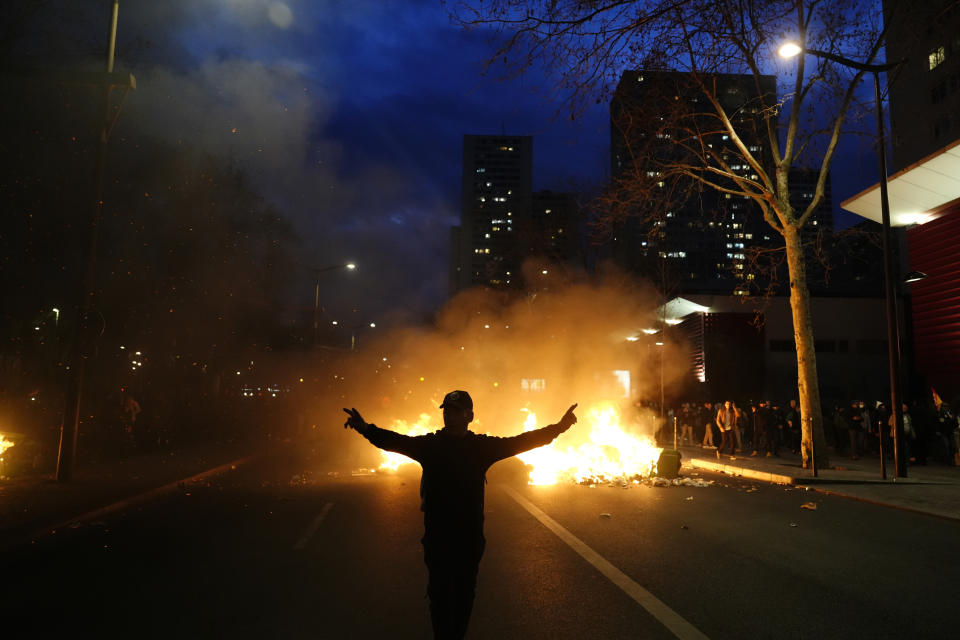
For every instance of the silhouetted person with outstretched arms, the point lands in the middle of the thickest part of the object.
(455, 461)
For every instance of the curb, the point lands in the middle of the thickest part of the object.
(753, 474)
(879, 503)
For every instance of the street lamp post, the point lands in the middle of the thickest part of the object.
(316, 295)
(353, 331)
(80, 347)
(790, 50)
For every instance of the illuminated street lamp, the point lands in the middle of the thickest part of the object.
(790, 50)
(316, 294)
(353, 331)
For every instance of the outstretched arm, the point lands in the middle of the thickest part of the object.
(382, 438)
(506, 447)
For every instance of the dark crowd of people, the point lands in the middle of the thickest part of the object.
(855, 428)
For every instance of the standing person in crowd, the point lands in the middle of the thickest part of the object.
(776, 419)
(792, 423)
(706, 417)
(686, 424)
(866, 425)
(909, 434)
(769, 419)
(740, 419)
(455, 462)
(758, 420)
(727, 423)
(853, 418)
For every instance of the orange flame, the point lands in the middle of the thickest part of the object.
(5, 444)
(606, 453)
(610, 453)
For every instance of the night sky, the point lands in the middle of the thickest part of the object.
(349, 116)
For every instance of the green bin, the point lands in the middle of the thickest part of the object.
(668, 465)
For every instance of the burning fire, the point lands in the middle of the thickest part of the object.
(391, 460)
(606, 453)
(610, 453)
(5, 444)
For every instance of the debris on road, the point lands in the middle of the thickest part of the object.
(605, 515)
(794, 524)
(689, 498)
(658, 481)
(812, 506)
(683, 526)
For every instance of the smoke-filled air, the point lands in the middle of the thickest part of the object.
(524, 359)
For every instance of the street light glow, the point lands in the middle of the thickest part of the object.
(351, 266)
(790, 50)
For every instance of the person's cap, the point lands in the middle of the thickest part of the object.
(460, 399)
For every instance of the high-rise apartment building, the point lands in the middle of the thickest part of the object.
(495, 198)
(695, 241)
(502, 221)
(925, 87)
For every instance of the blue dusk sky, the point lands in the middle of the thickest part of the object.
(349, 116)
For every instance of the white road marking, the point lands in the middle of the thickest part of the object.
(654, 606)
(312, 529)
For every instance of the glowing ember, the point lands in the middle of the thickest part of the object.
(605, 453)
(4, 444)
(609, 454)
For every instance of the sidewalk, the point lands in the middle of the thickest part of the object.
(933, 489)
(36, 505)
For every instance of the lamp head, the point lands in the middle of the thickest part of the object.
(790, 50)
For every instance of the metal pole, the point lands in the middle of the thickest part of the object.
(813, 447)
(316, 310)
(70, 427)
(893, 328)
(883, 458)
(674, 433)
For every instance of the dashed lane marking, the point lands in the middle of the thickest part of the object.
(654, 606)
(312, 529)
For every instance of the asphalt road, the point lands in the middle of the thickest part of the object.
(281, 549)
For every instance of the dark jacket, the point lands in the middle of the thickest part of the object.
(454, 474)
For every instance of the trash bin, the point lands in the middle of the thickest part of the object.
(668, 464)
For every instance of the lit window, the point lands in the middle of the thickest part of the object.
(936, 57)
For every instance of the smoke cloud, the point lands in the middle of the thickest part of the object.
(538, 352)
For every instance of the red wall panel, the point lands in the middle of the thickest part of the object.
(935, 250)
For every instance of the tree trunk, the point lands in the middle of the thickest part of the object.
(807, 379)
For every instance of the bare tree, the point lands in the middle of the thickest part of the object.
(588, 45)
